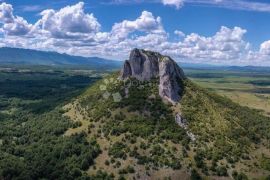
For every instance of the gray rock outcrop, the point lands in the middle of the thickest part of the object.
(144, 65)
(126, 71)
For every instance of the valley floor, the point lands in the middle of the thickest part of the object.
(247, 88)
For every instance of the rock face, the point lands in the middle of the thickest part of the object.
(144, 65)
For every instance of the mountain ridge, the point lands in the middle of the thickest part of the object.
(10, 56)
(34, 57)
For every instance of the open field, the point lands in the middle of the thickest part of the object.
(250, 89)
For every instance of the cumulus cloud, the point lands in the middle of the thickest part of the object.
(177, 3)
(265, 48)
(71, 30)
(6, 13)
(227, 44)
(243, 5)
(145, 23)
(70, 21)
(179, 33)
(12, 25)
(18, 27)
(31, 8)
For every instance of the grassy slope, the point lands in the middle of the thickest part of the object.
(228, 133)
(140, 138)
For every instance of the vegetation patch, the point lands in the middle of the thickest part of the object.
(32, 127)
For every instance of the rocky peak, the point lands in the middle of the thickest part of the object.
(144, 65)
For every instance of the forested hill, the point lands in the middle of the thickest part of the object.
(33, 57)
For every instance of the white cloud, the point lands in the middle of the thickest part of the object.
(73, 31)
(176, 3)
(261, 57)
(243, 5)
(17, 28)
(6, 13)
(145, 23)
(68, 22)
(226, 45)
(179, 33)
(12, 25)
(265, 48)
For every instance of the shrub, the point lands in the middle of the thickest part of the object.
(195, 175)
(239, 176)
(118, 150)
(221, 171)
(107, 163)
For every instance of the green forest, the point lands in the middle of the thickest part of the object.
(32, 145)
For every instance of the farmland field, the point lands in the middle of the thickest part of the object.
(250, 89)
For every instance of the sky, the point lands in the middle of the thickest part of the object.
(223, 32)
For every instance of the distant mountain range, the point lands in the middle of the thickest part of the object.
(16, 56)
(224, 68)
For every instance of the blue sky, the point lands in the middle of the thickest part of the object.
(199, 18)
(246, 28)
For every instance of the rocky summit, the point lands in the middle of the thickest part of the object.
(145, 65)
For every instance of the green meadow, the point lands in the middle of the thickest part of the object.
(248, 88)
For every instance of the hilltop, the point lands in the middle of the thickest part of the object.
(146, 65)
(144, 136)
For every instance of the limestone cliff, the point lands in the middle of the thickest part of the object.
(144, 65)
